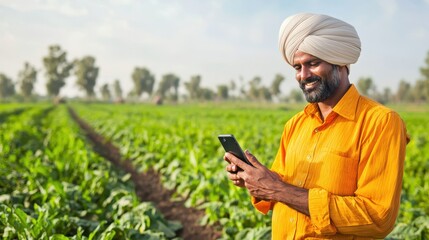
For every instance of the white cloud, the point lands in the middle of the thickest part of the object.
(421, 33)
(68, 10)
(170, 11)
(218, 4)
(112, 28)
(389, 7)
(62, 7)
(123, 2)
(6, 36)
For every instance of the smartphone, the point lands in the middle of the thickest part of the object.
(231, 145)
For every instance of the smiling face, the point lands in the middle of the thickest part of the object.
(318, 79)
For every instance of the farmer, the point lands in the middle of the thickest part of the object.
(338, 171)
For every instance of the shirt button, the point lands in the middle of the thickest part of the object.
(308, 157)
(316, 130)
(291, 219)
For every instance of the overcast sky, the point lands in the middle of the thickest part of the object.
(221, 40)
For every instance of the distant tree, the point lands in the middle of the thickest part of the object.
(232, 86)
(143, 80)
(296, 96)
(404, 91)
(253, 92)
(424, 85)
(242, 88)
(57, 69)
(196, 92)
(193, 87)
(380, 97)
(206, 94)
(419, 92)
(365, 85)
(132, 94)
(424, 71)
(387, 95)
(7, 87)
(258, 92)
(118, 90)
(175, 84)
(105, 92)
(275, 85)
(264, 93)
(26, 79)
(168, 86)
(222, 92)
(86, 75)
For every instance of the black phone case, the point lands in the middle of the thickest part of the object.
(231, 145)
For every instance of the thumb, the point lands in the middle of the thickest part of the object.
(252, 159)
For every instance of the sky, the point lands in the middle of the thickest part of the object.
(220, 40)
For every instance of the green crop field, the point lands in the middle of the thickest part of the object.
(54, 185)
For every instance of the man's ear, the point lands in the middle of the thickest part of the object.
(343, 70)
(346, 68)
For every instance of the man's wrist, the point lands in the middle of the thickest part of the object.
(293, 196)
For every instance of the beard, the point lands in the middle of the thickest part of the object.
(324, 86)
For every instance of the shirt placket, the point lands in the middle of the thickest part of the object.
(309, 155)
(315, 139)
(293, 223)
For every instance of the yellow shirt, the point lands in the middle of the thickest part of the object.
(352, 164)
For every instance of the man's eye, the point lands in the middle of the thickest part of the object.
(314, 64)
(297, 68)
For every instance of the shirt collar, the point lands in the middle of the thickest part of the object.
(346, 107)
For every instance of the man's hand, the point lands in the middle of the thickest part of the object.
(232, 170)
(261, 182)
(264, 184)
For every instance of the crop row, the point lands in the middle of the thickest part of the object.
(53, 186)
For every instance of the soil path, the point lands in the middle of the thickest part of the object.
(149, 188)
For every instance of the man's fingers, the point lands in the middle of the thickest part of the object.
(233, 176)
(252, 159)
(236, 161)
(232, 168)
(226, 159)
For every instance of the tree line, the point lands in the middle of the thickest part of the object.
(57, 69)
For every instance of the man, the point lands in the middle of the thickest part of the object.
(338, 170)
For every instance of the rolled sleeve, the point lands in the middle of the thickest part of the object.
(261, 205)
(318, 204)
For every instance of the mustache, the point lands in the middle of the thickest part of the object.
(309, 80)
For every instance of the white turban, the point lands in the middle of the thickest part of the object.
(322, 36)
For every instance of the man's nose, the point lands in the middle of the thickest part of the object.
(304, 73)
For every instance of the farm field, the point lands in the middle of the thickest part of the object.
(54, 184)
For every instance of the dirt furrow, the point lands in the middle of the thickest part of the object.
(149, 188)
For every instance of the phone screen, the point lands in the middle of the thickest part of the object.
(231, 145)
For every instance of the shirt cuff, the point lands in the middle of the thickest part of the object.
(261, 205)
(318, 205)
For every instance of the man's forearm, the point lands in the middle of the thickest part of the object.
(294, 197)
